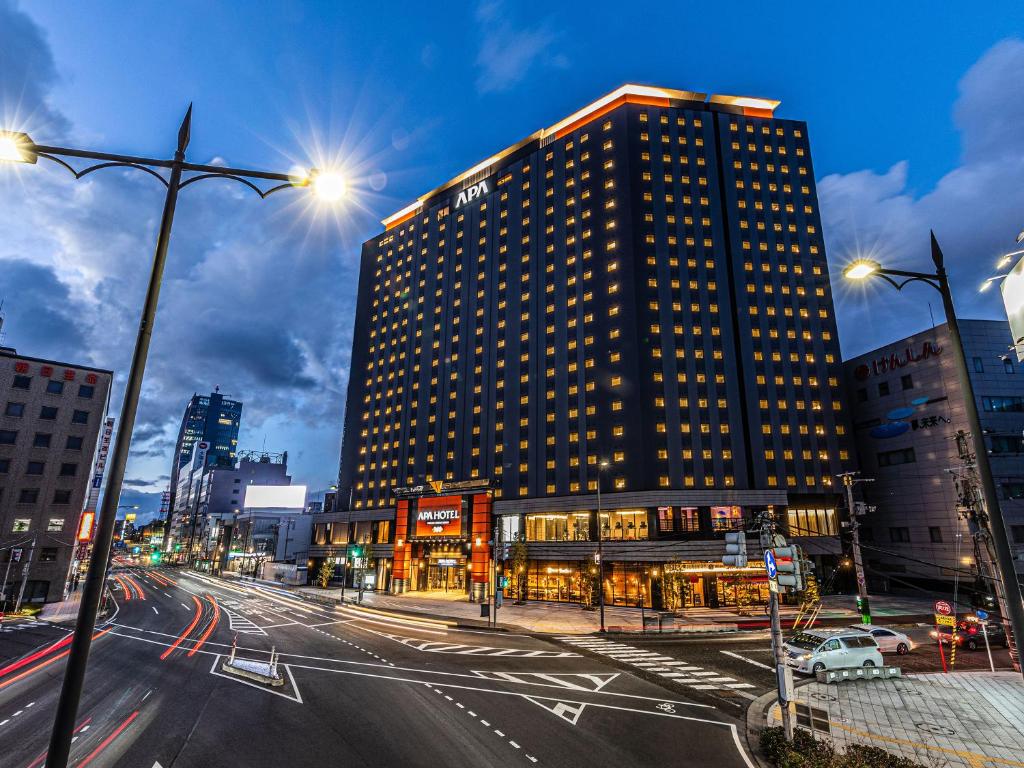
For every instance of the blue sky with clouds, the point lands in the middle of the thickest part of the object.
(914, 114)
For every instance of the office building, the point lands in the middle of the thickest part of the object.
(637, 297)
(907, 409)
(49, 431)
(211, 419)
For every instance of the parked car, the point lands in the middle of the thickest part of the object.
(889, 640)
(815, 650)
(969, 634)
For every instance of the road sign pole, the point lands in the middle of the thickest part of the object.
(780, 664)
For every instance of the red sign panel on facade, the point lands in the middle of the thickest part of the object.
(438, 517)
(85, 528)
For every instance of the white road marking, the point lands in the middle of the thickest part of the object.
(5, 722)
(665, 666)
(749, 661)
(167, 594)
(184, 606)
(30, 704)
(155, 610)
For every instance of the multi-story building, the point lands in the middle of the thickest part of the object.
(634, 301)
(907, 409)
(49, 428)
(211, 419)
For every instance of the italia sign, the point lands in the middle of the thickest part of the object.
(897, 360)
(469, 194)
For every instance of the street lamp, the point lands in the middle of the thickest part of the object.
(1007, 586)
(19, 147)
(601, 467)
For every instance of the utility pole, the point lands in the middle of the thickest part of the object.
(600, 540)
(784, 674)
(24, 574)
(495, 549)
(863, 605)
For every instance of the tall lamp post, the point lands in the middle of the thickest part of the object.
(601, 467)
(1007, 587)
(19, 147)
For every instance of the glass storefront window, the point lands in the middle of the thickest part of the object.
(510, 528)
(557, 580)
(624, 524)
(689, 521)
(726, 518)
(558, 527)
(812, 522)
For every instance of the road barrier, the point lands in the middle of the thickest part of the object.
(858, 673)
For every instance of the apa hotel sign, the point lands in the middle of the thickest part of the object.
(473, 192)
(439, 517)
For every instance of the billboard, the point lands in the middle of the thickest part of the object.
(439, 517)
(1012, 289)
(275, 497)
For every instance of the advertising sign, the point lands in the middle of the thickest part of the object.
(1012, 288)
(100, 464)
(439, 517)
(85, 527)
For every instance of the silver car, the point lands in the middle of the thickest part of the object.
(889, 640)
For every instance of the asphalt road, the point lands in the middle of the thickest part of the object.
(744, 664)
(362, 689)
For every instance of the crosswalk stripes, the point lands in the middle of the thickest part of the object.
(23, 625)
(435, 646)
(243, 625)
(672, 669)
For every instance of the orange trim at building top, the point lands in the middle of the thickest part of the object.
(627, 99)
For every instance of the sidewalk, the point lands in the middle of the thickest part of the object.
(569, 618)
(959, 720)
(67, 610)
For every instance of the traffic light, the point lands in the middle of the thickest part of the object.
(155, 557)
(788, 564)
(356, 551)
(136, 550)
(735, 549)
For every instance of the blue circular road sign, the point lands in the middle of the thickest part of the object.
(981, 614)
(769, 563)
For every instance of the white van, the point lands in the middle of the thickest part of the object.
(819, 649)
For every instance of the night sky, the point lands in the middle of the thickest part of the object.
(915, 117)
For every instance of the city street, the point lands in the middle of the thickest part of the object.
(155, 693)
(744, 663)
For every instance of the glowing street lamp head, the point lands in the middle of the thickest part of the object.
(16, 147)
(329, 186)
(860, 269)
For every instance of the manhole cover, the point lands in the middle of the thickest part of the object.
(938, 730)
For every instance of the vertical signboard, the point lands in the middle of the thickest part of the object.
(99, 465)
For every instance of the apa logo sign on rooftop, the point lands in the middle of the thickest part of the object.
(469, 194)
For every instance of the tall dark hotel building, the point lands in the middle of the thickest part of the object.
(636, 296)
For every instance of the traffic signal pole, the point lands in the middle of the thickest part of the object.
(783, 674)
(863, 605)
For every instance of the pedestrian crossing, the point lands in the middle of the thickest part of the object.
(14, 627)
(436, 646)
(242, 625)
(672, 669)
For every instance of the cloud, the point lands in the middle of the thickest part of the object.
(508, 51)
(257, 296)
(976, 209)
